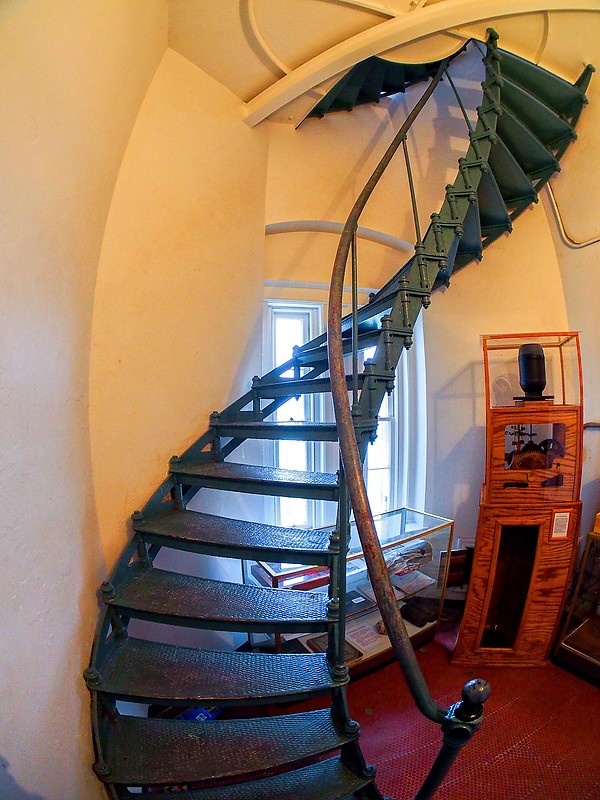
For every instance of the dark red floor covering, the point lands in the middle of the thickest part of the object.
(540, 739)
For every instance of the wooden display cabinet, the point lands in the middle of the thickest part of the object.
(530, 509)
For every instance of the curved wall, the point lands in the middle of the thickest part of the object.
(178, 299)
(73, 77)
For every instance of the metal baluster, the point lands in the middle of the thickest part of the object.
(419, 246)
(354, 321)
(472, 136)
(460, 102)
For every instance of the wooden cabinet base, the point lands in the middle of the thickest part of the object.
(521, 568)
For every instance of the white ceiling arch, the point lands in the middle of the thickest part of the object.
(417, 24)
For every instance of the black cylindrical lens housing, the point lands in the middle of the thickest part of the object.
(532, 370)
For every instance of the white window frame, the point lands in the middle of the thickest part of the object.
(408, 422)
(312, 315)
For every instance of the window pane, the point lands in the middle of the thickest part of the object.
(292, 409)
(379, 454)
(293, 512)
(378, 488)
(387, 406)
(290, 330)
(292, 455)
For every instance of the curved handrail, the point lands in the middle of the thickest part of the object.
(351, 460)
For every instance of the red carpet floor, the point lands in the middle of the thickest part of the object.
(540, 739)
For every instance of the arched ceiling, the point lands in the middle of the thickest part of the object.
(279, 57)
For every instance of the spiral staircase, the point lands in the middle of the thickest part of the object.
(524, 124)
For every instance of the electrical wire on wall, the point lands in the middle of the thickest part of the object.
(568, 240)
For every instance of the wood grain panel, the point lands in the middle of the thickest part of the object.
(567, 466)
(545, 595)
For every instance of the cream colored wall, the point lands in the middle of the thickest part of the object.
(178, 298)
(333, 158)
(73, 77)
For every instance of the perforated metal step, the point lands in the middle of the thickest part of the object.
(293, 387)
(149, 672)
(326, 780)
(515, 187)
(141, 752)
(213, 535)
(492, 211)
(289, 429)
(310, 355)
(172, 598)
(259, 480)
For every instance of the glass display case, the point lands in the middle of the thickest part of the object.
(505, 357)
(578, 645)
(415, 545)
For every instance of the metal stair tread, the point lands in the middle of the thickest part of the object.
(153, 672)
(250, 477)
(292, 386)
(492, 210)
(325, 780)
(309, 354)
(350, 88)
(542, 120)
(159, 752)
(369, 322)
(513, 183)
(210, 533)
(174, 598)
(555, 92)
(286, 429)
(470, 241)
(278, 430)
(370, 91)
(527, 149)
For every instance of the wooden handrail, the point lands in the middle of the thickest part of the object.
(350, 455)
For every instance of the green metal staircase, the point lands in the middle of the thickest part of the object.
(524, 124)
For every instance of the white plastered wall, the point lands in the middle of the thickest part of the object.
(515, 289)
(73, 77)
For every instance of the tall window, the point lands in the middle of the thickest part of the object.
(290, 324)
(395, 463)
(381, 464)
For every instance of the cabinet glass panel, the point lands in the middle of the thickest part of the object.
(415, 546)
(561, 361)
(579, 642)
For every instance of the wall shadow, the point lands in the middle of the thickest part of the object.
(457, 449)
(9, 788)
